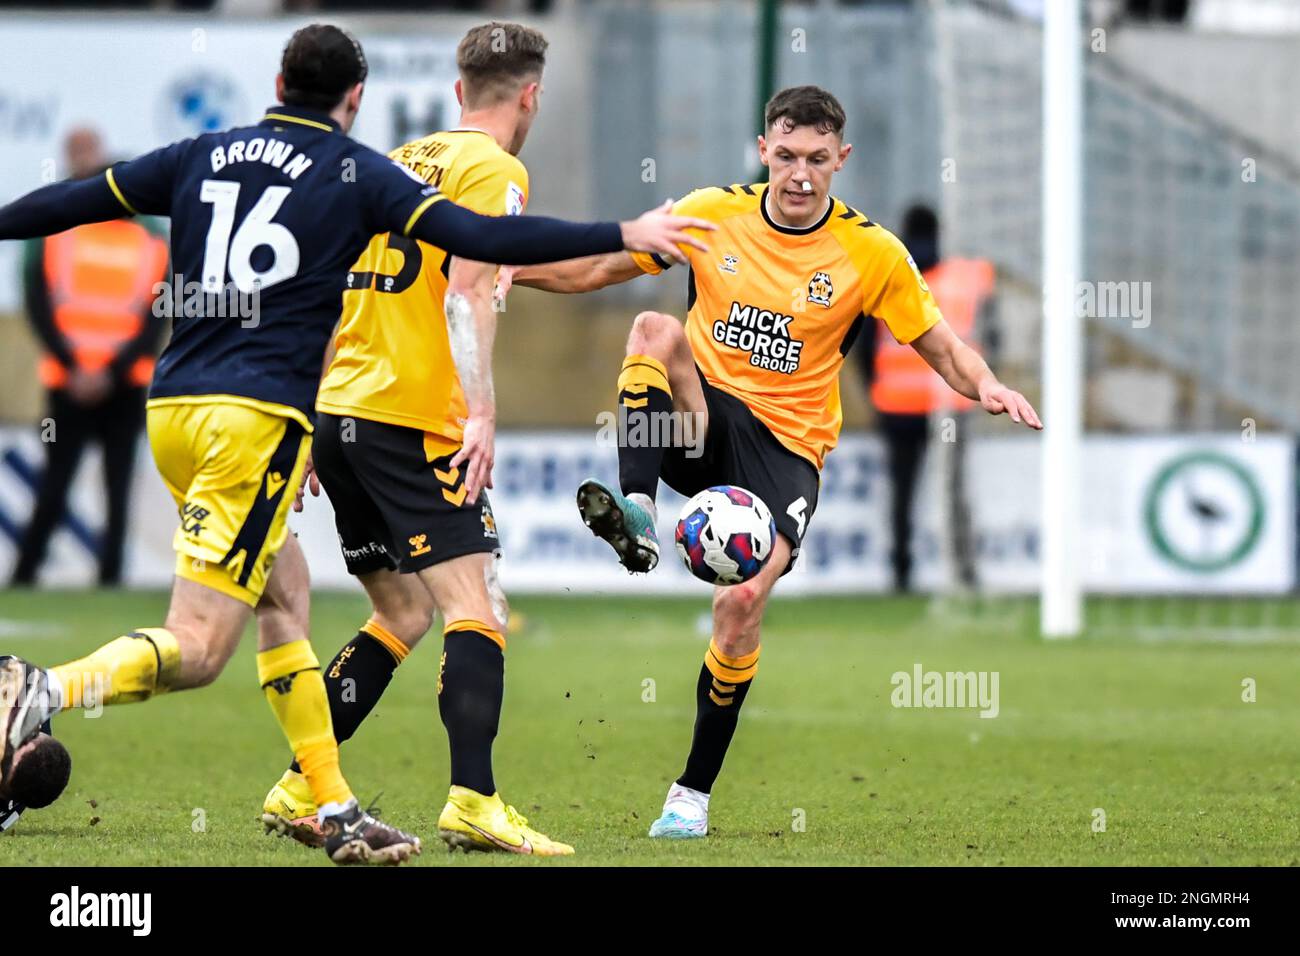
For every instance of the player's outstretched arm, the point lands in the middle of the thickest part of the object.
(527, 240)
(575, 275)
(60, 206)
(471, 331)
(966, 372)
(141, 186)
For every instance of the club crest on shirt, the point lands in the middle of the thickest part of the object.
(820, 289)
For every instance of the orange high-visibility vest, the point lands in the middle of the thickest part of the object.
(101, 279)
(904, 384)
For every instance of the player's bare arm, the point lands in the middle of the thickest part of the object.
(967, 373)
(525, 240)
(573, 275)
(471, 330)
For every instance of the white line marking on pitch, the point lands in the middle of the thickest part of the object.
(12, 627)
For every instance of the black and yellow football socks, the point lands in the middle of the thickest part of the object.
(291, 678)
(130, 668)
(724, 682)
(358, 676)
(644, 401)
(471, 686)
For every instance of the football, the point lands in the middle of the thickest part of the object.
(725, 535)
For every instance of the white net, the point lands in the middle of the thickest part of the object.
(1192, 232)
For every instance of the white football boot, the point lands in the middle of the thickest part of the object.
(685, 815)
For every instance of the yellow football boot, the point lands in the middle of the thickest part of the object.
(472, 821)
(290, 810)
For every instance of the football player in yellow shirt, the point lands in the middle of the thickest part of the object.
(403, 447)
(773, 308)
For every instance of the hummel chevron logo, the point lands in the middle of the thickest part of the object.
(524, 847)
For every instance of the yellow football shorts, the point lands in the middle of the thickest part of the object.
(233, 467)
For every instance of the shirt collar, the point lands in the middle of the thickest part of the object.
(300, 116)
(793, 230)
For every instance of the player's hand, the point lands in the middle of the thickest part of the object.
(997, 398)
(505, 279)
(477, 453)
(309, 480)
(660, 231)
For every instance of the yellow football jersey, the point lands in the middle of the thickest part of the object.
(392, 361)
(772, 310)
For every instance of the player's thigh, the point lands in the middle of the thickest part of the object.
(232, 470)
(746, 454)
(663, 338)
(701, 460)
(284, 611)
(402, 604)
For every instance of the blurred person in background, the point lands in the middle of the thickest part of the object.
(89, 298)
(907, 393)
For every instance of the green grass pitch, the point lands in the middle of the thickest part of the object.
(823, 769)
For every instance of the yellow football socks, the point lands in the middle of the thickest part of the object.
(130, 668)
(290, 675)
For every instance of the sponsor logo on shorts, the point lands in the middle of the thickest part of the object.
(366, 550)
(418, 546)
(192, 518)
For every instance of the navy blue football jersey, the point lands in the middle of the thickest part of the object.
(266, 222)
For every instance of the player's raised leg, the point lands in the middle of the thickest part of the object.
(730, 664)
(354, 681)
(199, 635)
(658, 377)
(471, 689)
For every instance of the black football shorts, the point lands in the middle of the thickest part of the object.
(740, 450)
(394, 507)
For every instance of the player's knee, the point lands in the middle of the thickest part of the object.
(737, 611)
(203, 658)
(408, 623)
(655, 334)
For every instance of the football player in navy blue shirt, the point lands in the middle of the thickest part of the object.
(266, 221)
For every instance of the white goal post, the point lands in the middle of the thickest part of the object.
(1062, 362)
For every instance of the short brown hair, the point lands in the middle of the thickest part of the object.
(805, 106)
(494, 57)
